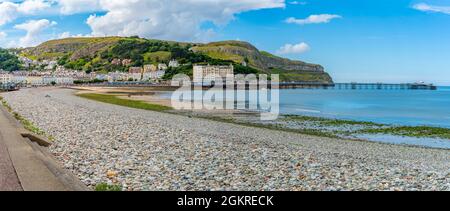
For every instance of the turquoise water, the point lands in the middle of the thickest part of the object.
(403, 140)
(396, 107)
(400, 107)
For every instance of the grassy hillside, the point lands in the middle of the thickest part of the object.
(96, 54)
(74, 46)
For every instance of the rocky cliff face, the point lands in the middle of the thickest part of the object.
(289, 70)
(257, 59)
(285, 64)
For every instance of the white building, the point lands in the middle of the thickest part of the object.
(6, 78)
(117, 76)
(26, 61)
(57, 80)
(19, 79)
(151, 72)
(64, 81)
(51, 65)
(47, 80)
(60, 69)
(35, 81)
(174, 63)
(102, 77)
(162, 67)
(150, 68)
(154, 75)
(135, 73)
(211, 73)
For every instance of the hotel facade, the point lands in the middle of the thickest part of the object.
(209, 73)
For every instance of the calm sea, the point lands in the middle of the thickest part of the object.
(402, 107)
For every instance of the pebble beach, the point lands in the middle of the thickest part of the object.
(145, 150)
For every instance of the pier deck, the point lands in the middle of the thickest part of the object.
(288, 85)
(357, 86)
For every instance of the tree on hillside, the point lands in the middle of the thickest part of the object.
(8, 61)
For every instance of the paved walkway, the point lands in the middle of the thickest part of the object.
(8, 177)
(23, 166)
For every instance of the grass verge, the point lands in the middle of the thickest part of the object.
(410, 131)
(111, 99)
(27, 124)
(330, 122)
(312, 132)
(5, 104)
(103, 187)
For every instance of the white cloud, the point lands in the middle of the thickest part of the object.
(294, 48)
(3, 35)
(33, 29)
(298, 3)
(9, 10)
(431, 8)
(33, 6)
(69, 7)
(169, 19)
(64, 35)
(68, 34)
(163, 19)
(313, 19)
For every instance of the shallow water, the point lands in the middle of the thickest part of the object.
(400, 107)
(397, 107)
(400, 140)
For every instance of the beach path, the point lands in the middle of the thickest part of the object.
(8, 177)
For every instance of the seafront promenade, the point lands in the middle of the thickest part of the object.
(8, 177)
(24, 165)
(146, 150)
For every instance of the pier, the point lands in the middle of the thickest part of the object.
(284, 85)
(357, 86)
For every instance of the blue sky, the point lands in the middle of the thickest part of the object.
(359, 40)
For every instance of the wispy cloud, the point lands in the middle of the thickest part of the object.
(3, 35)
(294, 48)
(432, 8)
(33, 29)
(313, 19)
(11, 10)
(298, 3)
